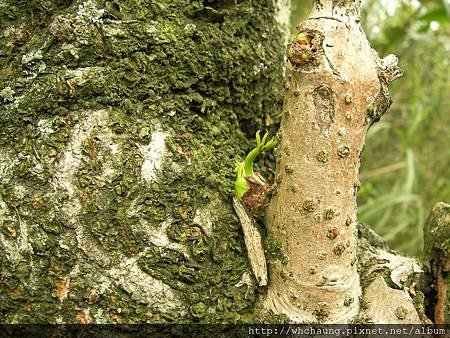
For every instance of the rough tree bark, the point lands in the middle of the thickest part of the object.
(437, 252)
(120, 126)
(121, 123)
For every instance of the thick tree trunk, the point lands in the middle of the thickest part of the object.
(336, 87)
(120, 126)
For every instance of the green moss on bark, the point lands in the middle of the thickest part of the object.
(205, 73)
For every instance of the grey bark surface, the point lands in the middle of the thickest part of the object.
(437, 252)
(120, 126)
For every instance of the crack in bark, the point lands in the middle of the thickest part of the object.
(325, 17)
(330, 64)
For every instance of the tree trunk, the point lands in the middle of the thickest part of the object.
(120, 126)
(121, 123)
(437, 252)
(336, 87)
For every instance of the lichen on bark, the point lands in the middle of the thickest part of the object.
(437, 252)
(85, 220)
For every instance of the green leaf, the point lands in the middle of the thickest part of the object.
(244, 169)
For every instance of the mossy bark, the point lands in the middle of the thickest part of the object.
(437, 252)
(120, 126)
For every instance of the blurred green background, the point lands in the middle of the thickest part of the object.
(406, 161)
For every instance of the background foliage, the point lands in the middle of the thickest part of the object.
(405, 165)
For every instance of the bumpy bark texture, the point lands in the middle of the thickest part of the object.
(437, 251)
(391, 294)
(336, 87)
(120, 126)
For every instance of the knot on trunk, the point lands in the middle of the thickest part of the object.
(305, 48)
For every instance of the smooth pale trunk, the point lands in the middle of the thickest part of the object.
(330, 102)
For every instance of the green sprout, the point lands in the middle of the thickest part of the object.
(300, 37)
(244, 169)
